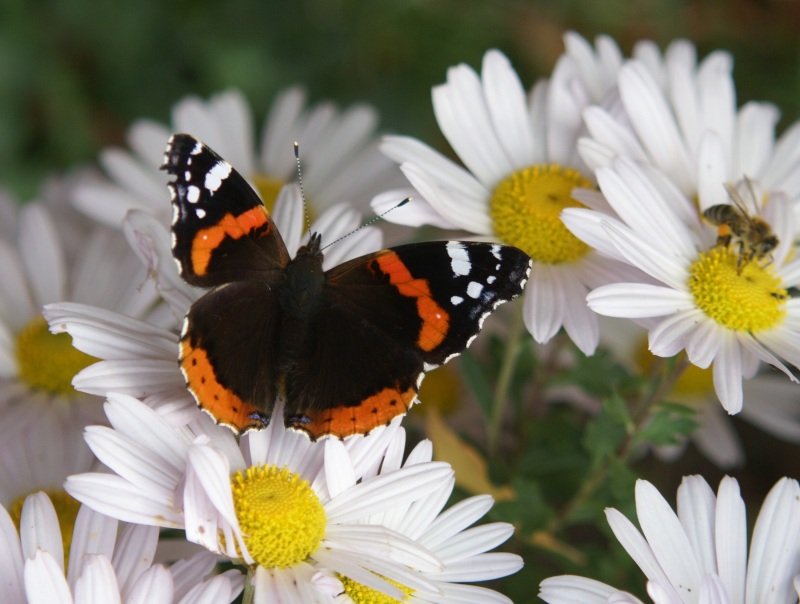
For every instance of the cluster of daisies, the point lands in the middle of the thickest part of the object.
(602, 173)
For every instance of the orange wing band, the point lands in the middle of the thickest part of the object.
(208, 239)
(376, 410)
(435, 319)
(211, 396)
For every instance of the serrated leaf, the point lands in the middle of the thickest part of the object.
(599, 375)
(605, 432)
(670, 424)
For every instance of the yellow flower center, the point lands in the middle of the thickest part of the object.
(48, 361)
(361, 594)
(280, 515)
(268, 188)
(750, 301)
(66, 509)
(526, 212)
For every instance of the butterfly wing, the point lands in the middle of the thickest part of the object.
(227, 341)
(386, 319)
(221, 230)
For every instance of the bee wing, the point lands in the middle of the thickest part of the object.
(747, 207)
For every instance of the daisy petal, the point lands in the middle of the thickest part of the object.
(42, 255)
(97, 583)
(11, 558)
(728, 374)
(731, 539)
(505, 101)
(463, 118)
(45, 582)
(777, 531)
(568, 589)
(637, 300)
(39, 528)
(667, 538)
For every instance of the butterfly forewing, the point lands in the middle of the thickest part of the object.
(221, 230)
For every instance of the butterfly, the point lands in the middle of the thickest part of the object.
(345, 349)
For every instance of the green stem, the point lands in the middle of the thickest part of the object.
(508, 364)
(249, 594)
(640, 416)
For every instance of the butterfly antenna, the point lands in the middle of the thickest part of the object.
(300, 184)
(369, 222)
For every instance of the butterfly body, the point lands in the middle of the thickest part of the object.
(345, 349)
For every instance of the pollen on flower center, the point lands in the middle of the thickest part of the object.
(280, 515)
(526, 212)
(750, 301)
(66, 509)
(361, 594)
(48, 361)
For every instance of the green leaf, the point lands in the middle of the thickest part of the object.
(669, 425)
(528, 511)
(605, 432)
(600, 375)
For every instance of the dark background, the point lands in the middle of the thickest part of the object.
(75, 73)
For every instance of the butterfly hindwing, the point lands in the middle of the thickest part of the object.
(227, 353)
(221, 230)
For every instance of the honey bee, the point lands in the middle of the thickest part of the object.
(753, 236)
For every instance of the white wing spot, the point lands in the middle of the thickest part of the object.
(459, 258)
(192, 194)
(495, 249)
(198, 147)
(456, 300)
(474, 289)
(200, 212)
(491, 279)
(187, 176)
(216, 175)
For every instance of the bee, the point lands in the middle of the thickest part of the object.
(752, 235)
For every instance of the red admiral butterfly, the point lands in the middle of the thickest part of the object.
(347, 348)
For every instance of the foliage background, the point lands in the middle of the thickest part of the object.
(75, 73)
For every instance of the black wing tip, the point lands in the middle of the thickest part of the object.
(179, 146)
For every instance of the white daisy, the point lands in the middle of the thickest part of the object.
(521, 165)
(341, 161)
(700, 554)
(139, 358)
(680, 116)
(36, 367)
(699, 295)
(104, 561)
(462, 551)
(292, 510)
(38, 456)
